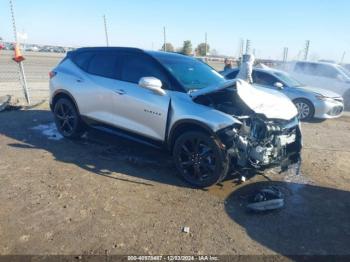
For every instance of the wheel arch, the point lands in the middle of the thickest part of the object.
(63, 94)
(308, 101)
(185, 125)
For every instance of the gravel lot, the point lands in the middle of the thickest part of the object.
(107, 195)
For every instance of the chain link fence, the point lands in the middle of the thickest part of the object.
(36, 67)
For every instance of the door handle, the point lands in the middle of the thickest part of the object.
(79, 80)
(120, 91)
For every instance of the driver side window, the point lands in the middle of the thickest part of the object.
(137, 66)
(262, 78)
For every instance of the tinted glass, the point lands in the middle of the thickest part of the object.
(299, 67)
(135, 67)
(315, 69)
(104, 64)
(262, 78)
(190, 72)
(326, 71)
(82, 59)
(287, 79)
(232, 75)
(306, 68)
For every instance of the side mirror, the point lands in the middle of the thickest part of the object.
(153, 84)
(278, 85)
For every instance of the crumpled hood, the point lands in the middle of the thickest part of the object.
(320, 91)
(264, 101)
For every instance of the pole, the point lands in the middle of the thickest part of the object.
(206, 44)
(106, 31)
(342, 57)
(241, 48)
(164, 35)
(285, 54)
(247, 47)
(306, 51)
(21, 68)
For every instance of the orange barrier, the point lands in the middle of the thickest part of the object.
(18, 55)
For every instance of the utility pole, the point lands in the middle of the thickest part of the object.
(285, 54)
(106, 31)
(306, 50)
(241, 47)
(206, 44)
(342, 57)
(20, 64)
(247, 46)
(164, 35)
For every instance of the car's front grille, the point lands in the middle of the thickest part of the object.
(337, 110)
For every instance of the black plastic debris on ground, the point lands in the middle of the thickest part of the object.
(266, 199)
(6, 105)
(4, 102)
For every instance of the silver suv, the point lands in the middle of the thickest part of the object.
(209, 124)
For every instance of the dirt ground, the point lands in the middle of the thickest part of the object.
(107, 195)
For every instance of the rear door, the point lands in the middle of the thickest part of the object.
(98, 87)
(138, 109)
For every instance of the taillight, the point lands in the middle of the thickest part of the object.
(52, 74)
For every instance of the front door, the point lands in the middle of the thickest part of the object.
(138, 109)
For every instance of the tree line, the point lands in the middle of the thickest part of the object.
(201, 50)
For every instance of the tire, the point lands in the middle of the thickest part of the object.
(67, 119)
(200, 160)
(305, 109)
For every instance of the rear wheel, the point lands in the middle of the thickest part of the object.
(199, 159)
(67, 119)
(305, 109)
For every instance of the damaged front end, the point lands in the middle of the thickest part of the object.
(267, 133)
(263, 143)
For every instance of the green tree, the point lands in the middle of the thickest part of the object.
(169, 47)
(187, 48)
(200, 50)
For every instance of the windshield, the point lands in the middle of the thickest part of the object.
(288, 80)
(191, 73)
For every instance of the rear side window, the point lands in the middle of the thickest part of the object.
(232, 75)
(104, 64)
(305, 68)
(136, 66)
(83, 59)
(315, 69)
(326, 71)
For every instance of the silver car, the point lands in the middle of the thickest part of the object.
(209, 125)
(311, 102)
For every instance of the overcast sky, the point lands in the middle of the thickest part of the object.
(270, 25)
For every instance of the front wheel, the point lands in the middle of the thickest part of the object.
(200, 160)
(305, 109)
